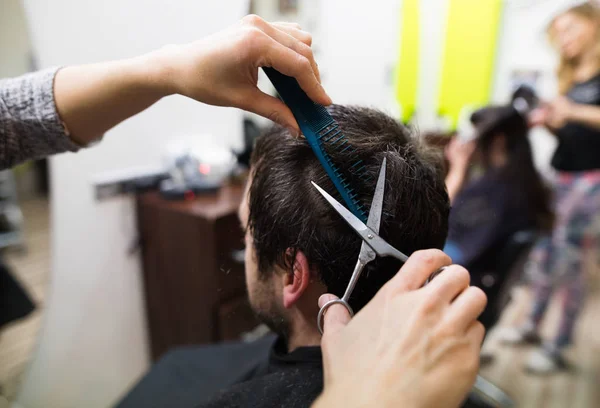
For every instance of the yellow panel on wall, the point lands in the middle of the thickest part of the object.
(407, 69)
(469, 51)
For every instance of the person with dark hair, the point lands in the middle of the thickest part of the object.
(415, 206)
(298, 248)
(495, 192)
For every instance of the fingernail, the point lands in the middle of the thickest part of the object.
(328, 98)
(327, 297)
(293, 131)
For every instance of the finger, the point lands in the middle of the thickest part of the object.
(336, 316)
(476, 333)
(295, 31)
(417, 269)
(284, 37)
(296, 65)
(474, 336)
(269, 107)
(288, 24)
(449, 284)
(302, 36)
(466, 308)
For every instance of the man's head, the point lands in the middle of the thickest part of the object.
(298, 247)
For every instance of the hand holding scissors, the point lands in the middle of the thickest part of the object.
(374, 245)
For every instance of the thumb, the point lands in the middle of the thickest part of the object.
(271, 108)
(336, 317)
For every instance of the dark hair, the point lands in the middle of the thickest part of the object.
(520, 170)
(287, 214)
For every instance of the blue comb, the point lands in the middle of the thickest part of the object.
(321, 131)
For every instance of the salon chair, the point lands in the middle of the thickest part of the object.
(497, 271)
(15, 302)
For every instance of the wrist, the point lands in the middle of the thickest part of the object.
(457, 172)
(571, 112)
(154, 71)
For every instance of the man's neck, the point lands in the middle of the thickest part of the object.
(303, 334)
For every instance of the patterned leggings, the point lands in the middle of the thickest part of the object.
(557, 259)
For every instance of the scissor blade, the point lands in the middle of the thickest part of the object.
(378, 244)
(377, 204)
(350, 218)
(367, 253)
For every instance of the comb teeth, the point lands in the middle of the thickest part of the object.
(322, 133)
(320, 130)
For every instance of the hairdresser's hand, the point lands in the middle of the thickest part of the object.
(538, 117)
(222, 69)
(560, 112)
(410, 346)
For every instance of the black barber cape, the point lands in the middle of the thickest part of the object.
(291, 380)
(257, 374)
(260, 374)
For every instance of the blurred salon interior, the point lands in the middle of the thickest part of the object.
(122, 268)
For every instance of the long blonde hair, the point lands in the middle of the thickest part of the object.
(566, 67)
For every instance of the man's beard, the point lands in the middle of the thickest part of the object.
(266, 309)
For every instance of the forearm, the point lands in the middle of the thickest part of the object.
(586, 114)
(93, 98)
(454, 182)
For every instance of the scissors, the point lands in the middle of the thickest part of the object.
(374, 245)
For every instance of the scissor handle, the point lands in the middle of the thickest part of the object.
(342, 302)
(433, 275)
(321, 315)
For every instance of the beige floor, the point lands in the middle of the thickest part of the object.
(31, 268)
(577, 388)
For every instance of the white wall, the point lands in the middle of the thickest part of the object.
(359, 42)
(359, 46)
(15, 45)
(93, 343)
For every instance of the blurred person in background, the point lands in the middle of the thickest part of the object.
(496, 193)
(574, 117)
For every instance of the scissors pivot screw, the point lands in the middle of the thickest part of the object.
(370, 236)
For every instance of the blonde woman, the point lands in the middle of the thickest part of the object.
(574, 117)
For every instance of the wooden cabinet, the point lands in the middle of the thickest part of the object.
(192, 269)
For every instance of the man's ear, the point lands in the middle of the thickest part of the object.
(296, 281)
